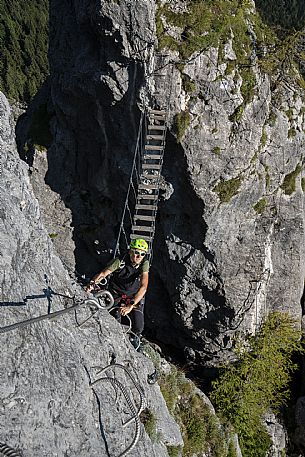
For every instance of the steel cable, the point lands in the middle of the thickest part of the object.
(9, 451)
(115, 383)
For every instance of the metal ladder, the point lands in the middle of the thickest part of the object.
(146, 207)
(141, 204)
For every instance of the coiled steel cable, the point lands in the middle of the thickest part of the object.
(9, 451)
(116, 383)
(135, 383)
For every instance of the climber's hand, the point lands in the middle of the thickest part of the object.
(124, 310)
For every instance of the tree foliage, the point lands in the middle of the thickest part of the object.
(23, 47)
(258, 381)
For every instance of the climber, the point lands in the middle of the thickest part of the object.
(128, 285)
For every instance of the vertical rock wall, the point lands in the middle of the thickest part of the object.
(230, 233)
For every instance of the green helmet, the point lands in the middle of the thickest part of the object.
(139, 243)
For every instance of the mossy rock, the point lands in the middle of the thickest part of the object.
(227, 189)
(237, 114)
(289, 184)
(181, 122)
(260, 206)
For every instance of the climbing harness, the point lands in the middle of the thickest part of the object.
(135, 412)
(9, 451)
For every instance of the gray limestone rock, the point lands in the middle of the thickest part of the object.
(229, 244)
(47, 405)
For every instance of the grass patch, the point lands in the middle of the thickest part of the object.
(211, 23)
(200, 430)
(23, 47)
(260, 206)
(181, 122)
(243, 395)
(292, 132)
(227, 189)
(288, 185)
(264, 138)
(149, 421)
(53, 235)
(248, 84)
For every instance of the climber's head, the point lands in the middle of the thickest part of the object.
(138, 250)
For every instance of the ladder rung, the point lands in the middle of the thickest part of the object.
(149, 166)
(147, 197)
(150, 176)
(153, 147)
(144, 218)
(157, 127)
(148, 207)
(154, 137)
(156, 111)
(148, 186)
(152, 156)
(142, 228)
(144, 237)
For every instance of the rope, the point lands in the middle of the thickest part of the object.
(116, 250)
(9, 451)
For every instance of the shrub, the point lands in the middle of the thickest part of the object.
(258, 381)
(288, 185)
(200, 430)
(227, 189)
(216, 150)
(181, 122)
(173, 451)
(260, 205)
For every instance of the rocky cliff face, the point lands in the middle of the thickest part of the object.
(47, 406)
(230, 239)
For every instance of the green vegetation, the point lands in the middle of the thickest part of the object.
(216, 150)
(187, 84)
(303, 184)
(264, 138)
(237, 114)
(211, 23)
(258, 381)
(200, 430)
(173, 451)
(149, 421)
(23, 47)
(248, 84)
(181, 122)
(227, 189)
(288, 185)
(53, 235)
(260, 205)
(267, 176)
(292, 133)
(272, 119)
